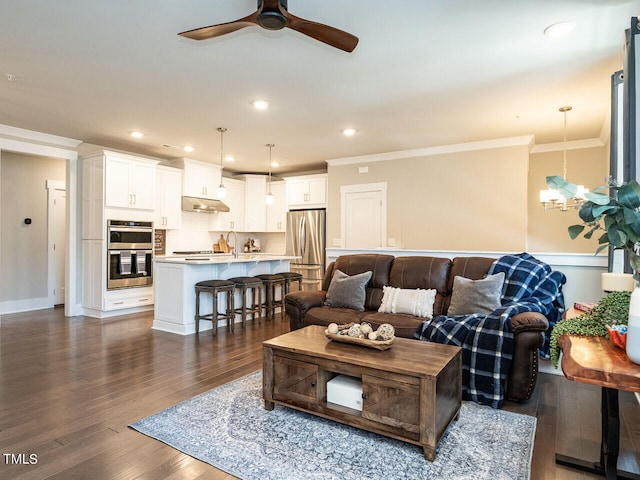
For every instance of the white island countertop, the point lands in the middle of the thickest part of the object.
(222, 258)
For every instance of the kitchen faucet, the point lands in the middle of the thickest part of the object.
(235, 244)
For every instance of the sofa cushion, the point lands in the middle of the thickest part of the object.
(326, 315)
(379, 265)
(422, 272)
(414, 301)
(404, 324)
(347, 291)
(476, 296)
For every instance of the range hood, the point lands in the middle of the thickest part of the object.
(203, 205)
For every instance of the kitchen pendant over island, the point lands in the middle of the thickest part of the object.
(176, 276)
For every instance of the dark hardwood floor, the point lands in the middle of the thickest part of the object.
(70, 386)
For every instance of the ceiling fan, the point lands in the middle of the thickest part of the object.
(273, 15)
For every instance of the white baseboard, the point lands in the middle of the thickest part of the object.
(26, 305)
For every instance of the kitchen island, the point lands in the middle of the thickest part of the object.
(175, 279)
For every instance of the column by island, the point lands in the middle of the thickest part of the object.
(175, 279)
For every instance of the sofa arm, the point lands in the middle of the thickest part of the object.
(528, 333)
(529, 322)
(297, 304)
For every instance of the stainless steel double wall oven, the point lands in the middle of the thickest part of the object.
(129, 254)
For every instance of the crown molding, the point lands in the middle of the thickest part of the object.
(572, 145)
(30, 135)
(527, 140)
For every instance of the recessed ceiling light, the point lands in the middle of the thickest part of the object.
(260, 104)
(188, 148)
(275, 164)
(136, 134)
(229, 158)
(349, 132)
(559, 29)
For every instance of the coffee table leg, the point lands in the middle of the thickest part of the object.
(267, 377)
(429, 453)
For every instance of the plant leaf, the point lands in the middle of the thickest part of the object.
(575, 231)
(628, 197)
(598, 198)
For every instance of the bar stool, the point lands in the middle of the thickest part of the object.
(253, 285)
(289, 278)
(271, 281)
(215, 287)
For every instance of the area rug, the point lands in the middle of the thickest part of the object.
(229, 428)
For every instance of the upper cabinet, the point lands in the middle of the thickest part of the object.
(115, 185)
(234, 218)
(308, 191)
(277, 211)
(201, 179)
(168, 198)
(255, 211)
(129, 182)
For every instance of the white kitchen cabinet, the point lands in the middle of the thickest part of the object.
(234, 218)
(168, 198)
(128, 298)
(129, 182)
(200, 179)
(255, 219)
(277, 212)
(308, 191)
(110, 179)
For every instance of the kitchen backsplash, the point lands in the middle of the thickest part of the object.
(194, 235)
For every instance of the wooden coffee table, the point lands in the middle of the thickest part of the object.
(410, 392)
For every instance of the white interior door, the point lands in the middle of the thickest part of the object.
(364, 215)
(57, 234)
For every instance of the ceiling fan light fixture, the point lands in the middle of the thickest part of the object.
(272, 20)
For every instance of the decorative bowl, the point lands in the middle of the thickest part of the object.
(618, 335)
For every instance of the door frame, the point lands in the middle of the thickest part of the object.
(363, 188)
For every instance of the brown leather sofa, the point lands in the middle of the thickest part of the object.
(307, 307)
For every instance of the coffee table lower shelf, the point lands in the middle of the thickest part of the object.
(413, 407)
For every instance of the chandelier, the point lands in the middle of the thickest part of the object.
(552, 198)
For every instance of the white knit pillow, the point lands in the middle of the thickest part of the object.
(414, 301)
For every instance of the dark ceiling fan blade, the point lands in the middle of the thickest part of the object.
(324, 33)
(222, 28)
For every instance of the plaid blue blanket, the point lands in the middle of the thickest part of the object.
(487, 340)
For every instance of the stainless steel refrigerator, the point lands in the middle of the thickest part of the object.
(306, 238)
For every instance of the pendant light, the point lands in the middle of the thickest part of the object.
(552, 198)
(222, 191)
(269, 198)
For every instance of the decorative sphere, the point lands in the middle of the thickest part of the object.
(366, 329)
(354, 331)
(332, 328)
(386, 331)
(373, 336)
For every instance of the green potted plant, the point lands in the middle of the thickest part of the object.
(616, 216)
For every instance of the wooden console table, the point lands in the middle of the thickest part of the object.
(596, 361)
